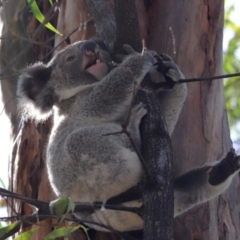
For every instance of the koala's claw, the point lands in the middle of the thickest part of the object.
(165, 63)
(168, 68)
(225, 168)
(237, 162)
(233, 160)
(138, 111)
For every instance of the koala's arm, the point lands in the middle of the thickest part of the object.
(201, 184)
(116, 89)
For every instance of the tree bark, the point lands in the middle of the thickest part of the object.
(192, 35)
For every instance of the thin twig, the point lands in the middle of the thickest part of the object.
(44, 206)
(66, 39)
(187, 80)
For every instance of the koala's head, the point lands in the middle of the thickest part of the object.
(72, 69)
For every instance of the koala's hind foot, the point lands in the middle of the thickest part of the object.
(225, 168)
(136, 115)
(201, 184)
(169, 69)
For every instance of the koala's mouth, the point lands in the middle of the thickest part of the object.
(97, 68)
(92, 63)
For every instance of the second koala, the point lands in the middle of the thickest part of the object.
(85, 161)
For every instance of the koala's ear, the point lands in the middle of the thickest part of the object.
(35, 92)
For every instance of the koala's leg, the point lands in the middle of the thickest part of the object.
(201, 184)
(171, 100)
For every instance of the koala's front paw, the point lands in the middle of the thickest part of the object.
(150, 57)
(138, 63)
(169, 69)
(225, 168)
(137, 113)
(129, 50)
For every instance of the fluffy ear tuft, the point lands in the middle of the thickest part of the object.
(36, 95)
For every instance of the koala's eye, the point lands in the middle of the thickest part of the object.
(70, 58)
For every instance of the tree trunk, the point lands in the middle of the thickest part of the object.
(192, 35)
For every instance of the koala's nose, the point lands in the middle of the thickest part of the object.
(89, 48)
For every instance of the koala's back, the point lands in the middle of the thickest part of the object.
(87, 173)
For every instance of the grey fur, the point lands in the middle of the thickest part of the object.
(84, 162)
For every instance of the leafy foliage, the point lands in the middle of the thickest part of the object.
(5, 230)
(232, 65)
(40, 17)
(58, 209)
(61, 206)
(26, 235)
(61, 232)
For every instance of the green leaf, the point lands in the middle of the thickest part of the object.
(59, 206)
(51, 2)
(26, 235)
(39, 16)
(232, 65)
(8, 228)
(71, 205)
(60, 232)
(2, 224)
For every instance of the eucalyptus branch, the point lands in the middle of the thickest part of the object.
(43, 212)
(43, 207)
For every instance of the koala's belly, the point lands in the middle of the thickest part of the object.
(89, 165)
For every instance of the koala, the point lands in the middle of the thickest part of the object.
(88, 159)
